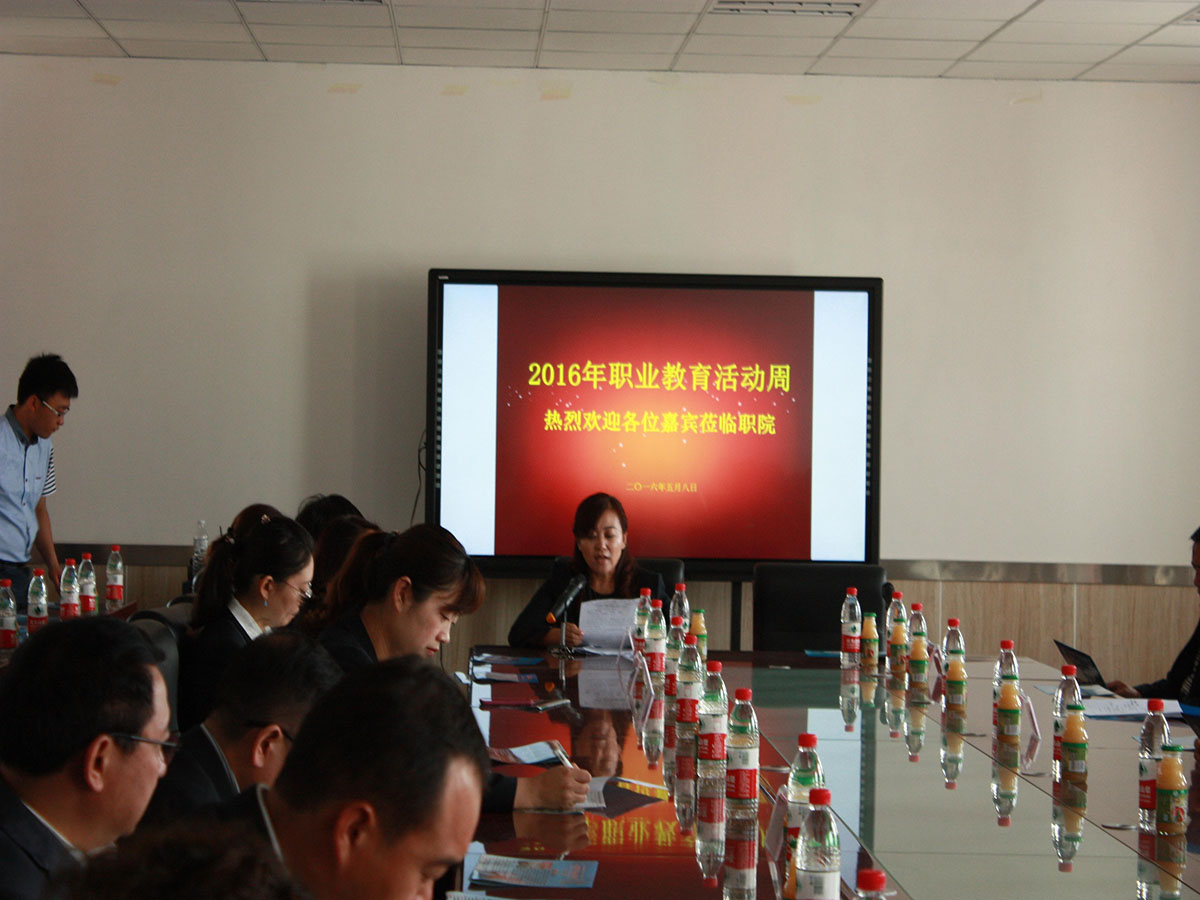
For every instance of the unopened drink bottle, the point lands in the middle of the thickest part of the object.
(849, 697)
(741, 773)
(851, 629)
(1155, 732)
(39, 611)
(1074, 746)
(819, 854)
(953, 641)
(641, 618)
(199, 552)
(896, 609)
(741, 860)
(699, 628)
(87, 586)
(1008, 722)
(916, 620)
(656, 645)
(1171, 792)
(869, 657)
(1006, 665)
(114, 578)
(679, 603)
(670, 675)
(710, 828)
(898, 648)
(918, 666)
(954, 698)
(689, 688)
(68, 592)
(8, 616)
(804, 775)
(714, 726)
(1066, 694)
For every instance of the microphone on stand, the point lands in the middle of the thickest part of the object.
(570, 592)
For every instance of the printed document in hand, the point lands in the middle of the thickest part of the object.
(605, 623)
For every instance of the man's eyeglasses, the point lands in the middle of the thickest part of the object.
(61, 413)
(169, 748)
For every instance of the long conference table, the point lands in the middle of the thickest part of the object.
(888, 782)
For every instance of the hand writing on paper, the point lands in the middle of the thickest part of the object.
(574, 636)
(559, 788)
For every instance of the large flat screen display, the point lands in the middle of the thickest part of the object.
(736, 418)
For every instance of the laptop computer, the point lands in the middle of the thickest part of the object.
(1086, 670)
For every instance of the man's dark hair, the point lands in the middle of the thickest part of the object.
(45, 376)
(385, 735)
(187, 861)
(69, 683)
(275, 679)
(318, 510)
(1196, 535)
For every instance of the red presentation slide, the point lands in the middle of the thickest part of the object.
(694, 409)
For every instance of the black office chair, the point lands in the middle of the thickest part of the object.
(162, 636)
(176, 615)
(670, 569)
(798, 606)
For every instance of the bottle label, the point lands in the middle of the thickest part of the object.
(919, 670)
(70, 596)
(87, 603)
(851, 637)
(685, 767)
(8, 633)
(114, 588)
(670, 679)
(711, 809)
(741, 863)
(34, 623)
(1074, 758)
(741, 775)
(1008, 721)
(713, 730)
(818, 885)
(669, 736)
(656, 655)
(956, 693)
(870, 651)
(69, 610)
(1172, 806)
(687, 701)
(1147, 784)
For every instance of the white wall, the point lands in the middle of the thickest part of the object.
(232, 256)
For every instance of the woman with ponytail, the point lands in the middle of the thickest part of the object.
(255, 578)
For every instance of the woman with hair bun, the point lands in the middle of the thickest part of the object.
(256, 578)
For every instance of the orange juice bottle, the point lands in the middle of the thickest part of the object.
(700, 630)
(1008, 721)
(1171, 791)
(1074, 745)
(869, 655)
(898, 647)
(954, 700)
(918, 660)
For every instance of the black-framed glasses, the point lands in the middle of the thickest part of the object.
(250, 723)
(169, 748)
(61, 413)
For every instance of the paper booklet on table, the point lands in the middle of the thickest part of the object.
(512, 871)
(605, 624)
(542, 753)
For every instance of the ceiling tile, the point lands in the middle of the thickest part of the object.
(923, 29)
(33, 26)
(40, 8)
(49, 46)
(326, 54)
(884, 49)
(1082, 53)
(631, 23)
(1153, 12)
(164, 10)
(270, 13)
(948, 9)
(1024, 71)
(741, 65)
(772, 26)
(904, 68)
(662, 6)
(611, 43)
(738, 45)
(1123, 72)
(457, 17)
(192, 49)
(1179, 35)
(641, 62)
(474, 4)
(1159, 55)
(332, 36)
(468, 39)
(1072, 32)
(503, 59)
(223, 32)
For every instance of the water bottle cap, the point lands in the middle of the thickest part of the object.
(116, 548)
(914, 757)
(87, 556)
(656, 604)
(714, 666)
(807, 740)
(1069, 670)
(677, 621)
(646, 592)
(917, 607)
(819, 797)
(690, 640)
(1006, 645)
(897, 595)
(1066, 867)
(1003, 821)
(743, 694)
(951, 785)
(1154, 705)
(71, 561)
(852, 591)
(953, 623)
(871, 880)
(849, 728)
(38, 573)
(680, 586)
(711, 881)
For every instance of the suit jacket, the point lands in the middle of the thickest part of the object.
(245, 809)
(196, 781)
(203, 659)
(348, 642)
(30, 853)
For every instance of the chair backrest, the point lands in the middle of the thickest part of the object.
(670, 569)
(175, 616)
(797, 606)
(163, 637)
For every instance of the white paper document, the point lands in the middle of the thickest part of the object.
(605, 623)
(1124, 707)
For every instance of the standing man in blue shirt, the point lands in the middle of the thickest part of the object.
(44, 395)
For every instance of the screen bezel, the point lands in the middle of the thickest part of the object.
(697, 568)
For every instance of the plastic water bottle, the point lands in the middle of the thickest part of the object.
(199, 551)
(953, 641)
(871, 884)
(1066, 694)
(679, 603)
(670, 676)
(741, 860)
(819, 856)
(641, 618)
(1006, 665)
(68, 591)
(656, 645)
(8, 616)
(804, 775)
(916, 620)
(714, 726)
(685, 794)
(710, 825)
(39, 611)
(851, 629)
(1155, 733)
(688, 690)
(699, 628)
(849, 697)
(114, 578)
(741, 773)
(87, 586)
(896, 609)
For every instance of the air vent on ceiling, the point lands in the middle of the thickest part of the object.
(831, 8)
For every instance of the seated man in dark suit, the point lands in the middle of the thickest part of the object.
(381, 792)
(265, 695)
(85, 731)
